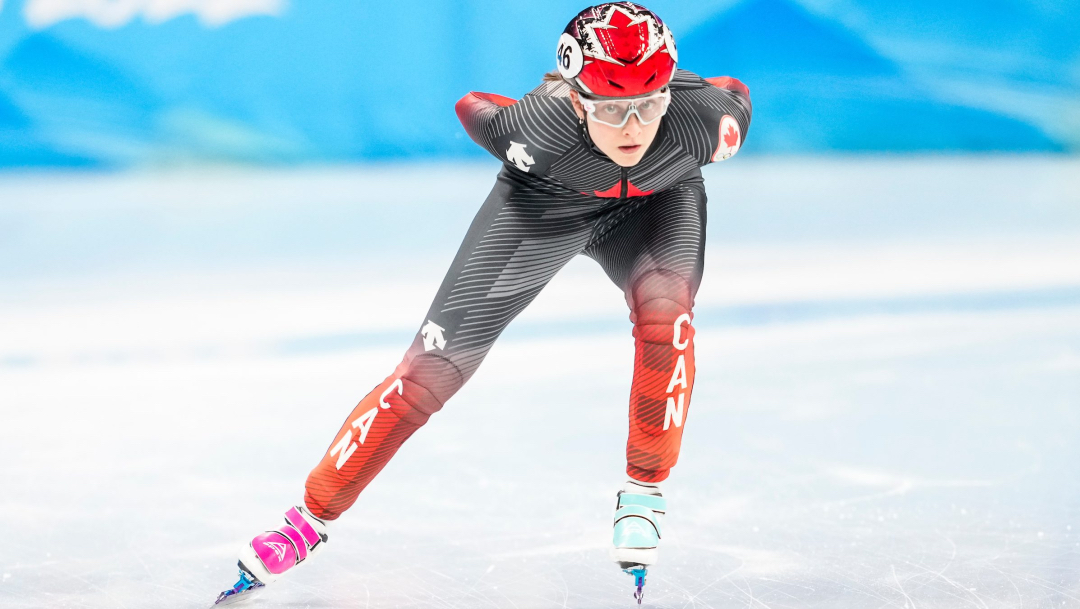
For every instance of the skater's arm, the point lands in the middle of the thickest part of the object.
(479, 113)
(722, 108)
(528, 134)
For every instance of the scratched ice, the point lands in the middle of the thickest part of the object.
(886, 413)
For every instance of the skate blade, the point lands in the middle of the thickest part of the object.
(638, 572)
(227, 599)
(244, 589)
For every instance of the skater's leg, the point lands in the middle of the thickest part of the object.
(655, 254)
(520, 238)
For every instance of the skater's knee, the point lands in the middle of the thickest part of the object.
(661, 294)
(426, 384)
(660, 306)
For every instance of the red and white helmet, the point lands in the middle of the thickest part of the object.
(617, 49)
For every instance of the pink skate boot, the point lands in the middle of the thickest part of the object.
(274, 552)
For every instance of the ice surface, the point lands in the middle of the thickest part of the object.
(886, 411)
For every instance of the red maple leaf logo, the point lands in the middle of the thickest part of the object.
(731, 138)
(625, 35)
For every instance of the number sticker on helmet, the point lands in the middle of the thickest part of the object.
(569, 57)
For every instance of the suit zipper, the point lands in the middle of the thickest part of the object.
(625, 182)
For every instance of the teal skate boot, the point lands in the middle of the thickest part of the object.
(637, 531)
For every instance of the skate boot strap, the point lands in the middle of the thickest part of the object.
(655, 503)
(630, 517)
(299, 533)
(296, 519)
(296, 539)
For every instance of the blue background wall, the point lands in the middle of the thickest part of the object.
(332, 81)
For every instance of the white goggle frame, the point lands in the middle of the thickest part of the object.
(627, 107)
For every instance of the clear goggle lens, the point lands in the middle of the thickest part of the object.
(615, 112)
